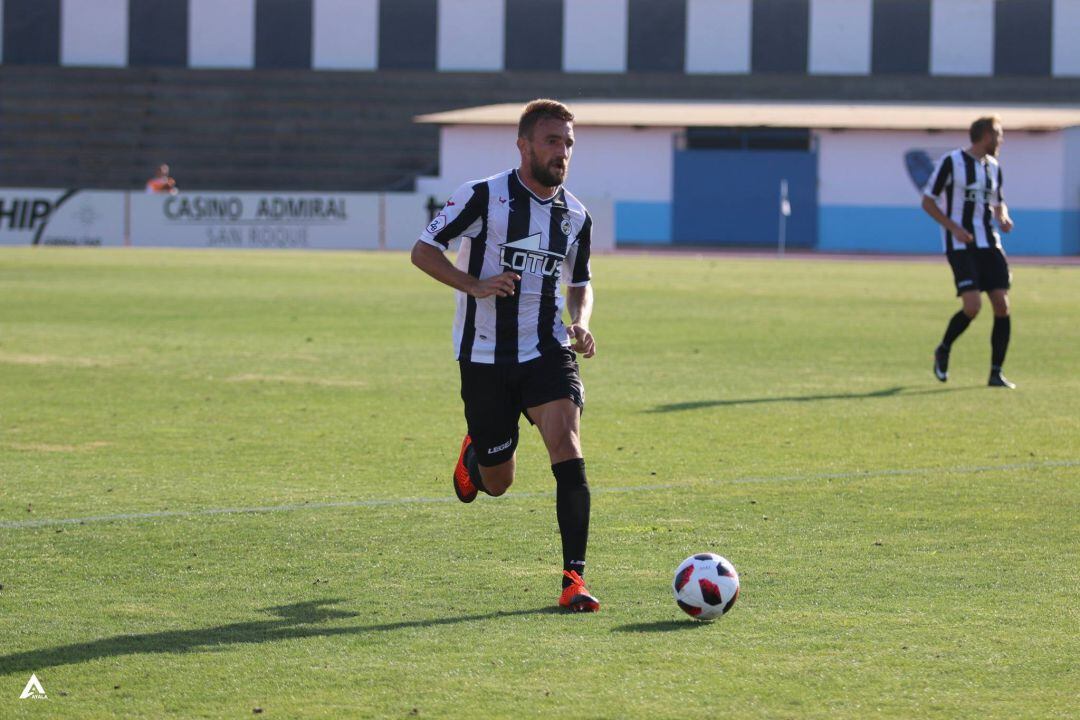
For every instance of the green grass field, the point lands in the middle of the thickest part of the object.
(254, 452)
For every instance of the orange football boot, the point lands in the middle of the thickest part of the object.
(463, 486)
(575, 596)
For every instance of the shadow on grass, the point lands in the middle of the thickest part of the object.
(885, 393)
(300, 620)
(661, 626)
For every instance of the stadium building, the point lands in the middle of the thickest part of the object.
(322, 97)
(849, 175)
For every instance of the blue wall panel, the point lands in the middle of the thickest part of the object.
(910, 230)
(647, 223)
(732, 197)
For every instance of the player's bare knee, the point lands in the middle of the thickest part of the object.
(498, 479)
(1000, 304)
(972, 306)
(564, 447)
(495, 489)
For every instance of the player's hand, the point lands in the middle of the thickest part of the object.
(582, 340)
(963, 235)
(501, 285)
(1005, 223)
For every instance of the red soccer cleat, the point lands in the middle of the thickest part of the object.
(575, 596)
(463, 486)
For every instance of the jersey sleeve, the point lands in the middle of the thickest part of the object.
(576, 265)
(999, 198)
(462, 215)
(940, 178)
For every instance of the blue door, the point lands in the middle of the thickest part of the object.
(732, 197)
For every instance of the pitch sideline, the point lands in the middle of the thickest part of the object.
(384, 502)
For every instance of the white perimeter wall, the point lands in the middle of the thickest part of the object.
(1071, 161)
(867, 168)
(618, 163)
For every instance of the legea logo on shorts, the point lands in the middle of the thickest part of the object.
(499, 448)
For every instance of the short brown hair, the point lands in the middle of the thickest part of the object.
(982, 126)
(542, 108)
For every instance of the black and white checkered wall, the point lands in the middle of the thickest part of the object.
(820, 37)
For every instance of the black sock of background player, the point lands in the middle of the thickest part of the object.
(572, 501)
(957, 325)
(473, 466)
(999, 341)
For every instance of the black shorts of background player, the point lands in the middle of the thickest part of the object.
(970, 181)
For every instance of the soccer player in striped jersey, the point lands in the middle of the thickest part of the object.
(522, 234)
(969, 182)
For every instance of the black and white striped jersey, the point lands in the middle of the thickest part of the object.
(504, 226)
(970, 188)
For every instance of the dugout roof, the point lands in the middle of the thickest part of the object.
(817, 115)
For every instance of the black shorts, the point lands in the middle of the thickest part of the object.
(981, 269)
(495, 395)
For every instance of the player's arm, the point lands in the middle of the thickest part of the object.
(579, 294)
(941, 181)
(579, 301)
(431, 260)
(461, 216)
(944, 221)
(1001, 210)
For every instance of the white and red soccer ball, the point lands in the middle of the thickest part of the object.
(706, 586)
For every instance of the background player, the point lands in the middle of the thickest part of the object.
(969, 181)
(522, 233)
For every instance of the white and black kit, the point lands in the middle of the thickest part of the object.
(513, 351)
(967, 189)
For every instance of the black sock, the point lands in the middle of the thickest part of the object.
(572, 501)
(999, 341)
(957, 325)
(473, 466)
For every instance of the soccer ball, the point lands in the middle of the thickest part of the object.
(706, 586)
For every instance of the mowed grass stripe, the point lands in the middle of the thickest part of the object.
(895, 472)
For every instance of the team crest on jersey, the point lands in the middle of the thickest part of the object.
(566, 227)
(526, 255)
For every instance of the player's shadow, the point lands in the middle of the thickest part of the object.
(660, 626)
(884, 393)
(299, 620)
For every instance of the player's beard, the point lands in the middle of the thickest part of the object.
(547, 175)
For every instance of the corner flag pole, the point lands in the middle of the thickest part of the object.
(785, 211)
